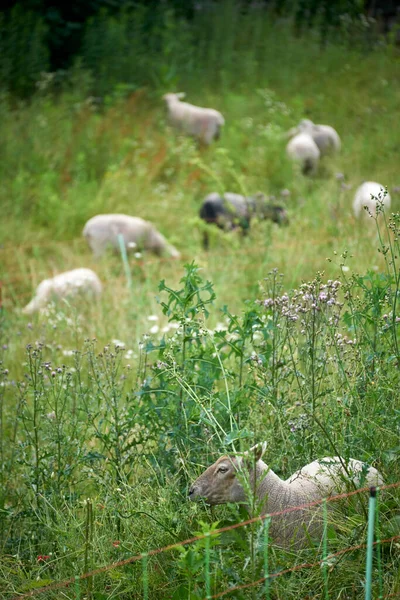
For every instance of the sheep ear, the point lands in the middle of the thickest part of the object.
(180, 95)
(255, 454)
(259, 450)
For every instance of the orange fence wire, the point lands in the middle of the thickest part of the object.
(260, 518)
(302, 566)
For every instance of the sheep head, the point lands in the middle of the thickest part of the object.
(41, 298)
(171, 97)
(220, 484)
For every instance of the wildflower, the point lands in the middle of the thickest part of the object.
(131, 245)
(345, 268)
(138, 255)
(43, 557)
(154, 329)
(51, 415)
(152, 318)
(68, 352)
(119, 344)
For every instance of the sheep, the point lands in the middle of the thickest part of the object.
(326, 137)
(202, 123)
(103, 230)
(369, 194)
(231, 210)
(64, 285)
(220, 484)
(302, 149)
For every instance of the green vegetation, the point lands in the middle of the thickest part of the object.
(99, 442)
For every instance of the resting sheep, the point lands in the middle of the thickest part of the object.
(302, 149)
(103, 230)
(64, 285)
(326, 137)
(369, 194)
(202, 123)
(220, 484)
(234, 210)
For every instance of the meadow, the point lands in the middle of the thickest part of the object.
(109, 410)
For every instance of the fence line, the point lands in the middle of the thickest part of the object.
(302, 566)
(260, 518)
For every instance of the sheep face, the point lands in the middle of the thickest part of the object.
(171, 98)
(41, 298)
(219, 483)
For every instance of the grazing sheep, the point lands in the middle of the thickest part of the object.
(202, 123)
(302, 149)
(325, 136)
(234, 210)
(64, 285)
(369, 194)
(220, 484)
(103, 230)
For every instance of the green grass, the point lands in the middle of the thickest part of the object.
(132, 428)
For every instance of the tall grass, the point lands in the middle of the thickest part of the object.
(109, 410)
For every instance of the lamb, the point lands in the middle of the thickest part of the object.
(369, 194)
(231, 210)
(302, 149)
(202, 123)
(64, 285)
(220, 484)
(326, 137)
(103, 230)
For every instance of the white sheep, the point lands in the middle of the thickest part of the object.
(325, 136)
(103, 230)
(369, 194)
(302, 149)
(64, 285)
(202, 123)
(220, 484)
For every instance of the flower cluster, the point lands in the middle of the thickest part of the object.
(309, 298)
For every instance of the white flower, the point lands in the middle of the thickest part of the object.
(154, 329)
(138, 255)
(345, 268)
(152, 318)
(131, 245)
(128, 354)
(166, 329)
(68, 352)
(119, 343)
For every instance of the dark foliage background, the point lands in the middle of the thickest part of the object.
(43, 35)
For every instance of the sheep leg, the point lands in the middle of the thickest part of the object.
(206, 240)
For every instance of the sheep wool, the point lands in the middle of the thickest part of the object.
(302, 149)
(202, 123)
(326, 137)
(230, 209)
(369, 194)
(103, 230)
(223, 482)
(65, 285)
